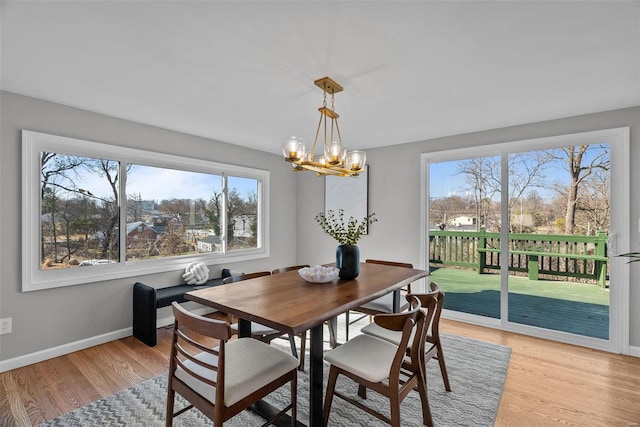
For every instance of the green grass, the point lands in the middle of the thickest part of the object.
(469, 281)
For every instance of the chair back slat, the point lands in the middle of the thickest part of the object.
(184, 336)
(194, 374)
(182, 353)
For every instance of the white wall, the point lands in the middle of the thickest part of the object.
(56, 317)
(394, 194)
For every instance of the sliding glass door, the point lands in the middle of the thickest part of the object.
(522, 239)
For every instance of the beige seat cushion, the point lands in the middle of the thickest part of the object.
(256, 329)
(384, 304)
(378, 331)
(366, 356)
(250, 365)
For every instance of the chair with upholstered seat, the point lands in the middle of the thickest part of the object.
(381, 366)
(433, 345)
(381, 305)
(265, 333)
(224, 380)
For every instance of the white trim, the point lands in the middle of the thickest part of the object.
(618, 138)
(619, 328)
(504, 242)
(424, 212)
(33, 143)
(49, 353)
(61, 350)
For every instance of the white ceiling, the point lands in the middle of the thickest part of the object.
(243, 72)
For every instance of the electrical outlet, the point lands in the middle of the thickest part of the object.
(5, 326)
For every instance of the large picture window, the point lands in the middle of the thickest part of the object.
(97, 212)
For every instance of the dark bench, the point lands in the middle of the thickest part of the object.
(146, 300)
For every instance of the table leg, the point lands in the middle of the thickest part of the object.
(316, 376)
(244, 328)
(396, 300)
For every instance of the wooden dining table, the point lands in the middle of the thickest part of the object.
(288, 303)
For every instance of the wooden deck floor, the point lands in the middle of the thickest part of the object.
(575, 308)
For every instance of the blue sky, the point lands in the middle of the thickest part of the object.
(158, 184)
(445, 180)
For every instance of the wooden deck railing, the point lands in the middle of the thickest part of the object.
(582, 257)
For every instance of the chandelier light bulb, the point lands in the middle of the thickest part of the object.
(334, 153)
(293, 149)
(356, 160)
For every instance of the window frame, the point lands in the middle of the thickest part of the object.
(33, 278)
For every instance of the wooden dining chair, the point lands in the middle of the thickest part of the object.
(433, 345)
(381, 305)
(381, 366)
(225, 380)
(266, 333)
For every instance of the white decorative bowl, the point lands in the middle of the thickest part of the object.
(319, 274)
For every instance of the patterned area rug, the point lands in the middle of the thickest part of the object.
(477, 372)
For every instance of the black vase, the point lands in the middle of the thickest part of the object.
(348, 261)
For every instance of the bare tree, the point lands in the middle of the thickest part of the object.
(56, 174)
(581, 161)
(593, 207)
(109, 170)
(483, 178)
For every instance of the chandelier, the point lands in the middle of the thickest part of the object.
(334, 159)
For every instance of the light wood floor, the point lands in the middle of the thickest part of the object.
(547, 383)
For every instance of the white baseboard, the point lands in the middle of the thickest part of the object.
(634, 351)
(61, 350)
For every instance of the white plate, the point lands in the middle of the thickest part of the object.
(319, 274)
